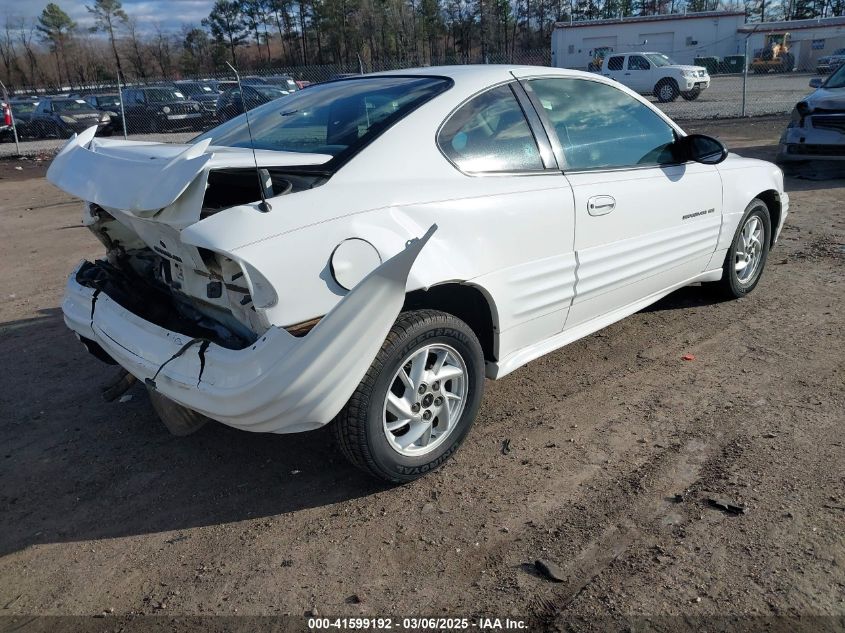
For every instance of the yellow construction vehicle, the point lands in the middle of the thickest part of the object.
(774, 56)
(598, 53)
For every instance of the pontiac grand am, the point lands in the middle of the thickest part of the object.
(365, 252)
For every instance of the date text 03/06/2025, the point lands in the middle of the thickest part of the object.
(418, 624)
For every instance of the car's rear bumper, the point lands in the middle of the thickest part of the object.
(280, 383)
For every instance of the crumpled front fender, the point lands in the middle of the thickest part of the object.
(281, 383)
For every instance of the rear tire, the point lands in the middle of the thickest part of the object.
(692, 95)
(417, 402)
(179, 420)
(749, 248)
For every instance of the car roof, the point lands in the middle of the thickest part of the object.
(491, 73)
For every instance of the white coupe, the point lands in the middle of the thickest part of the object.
(364, 252)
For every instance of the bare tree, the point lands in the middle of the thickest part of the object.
(163, 50)
(7, 49)
(26, 34)
(136, 56)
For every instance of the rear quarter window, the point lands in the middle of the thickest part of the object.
(490, 133)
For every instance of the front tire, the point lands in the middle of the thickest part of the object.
(666, 90)
(417, 402)
(746, 258)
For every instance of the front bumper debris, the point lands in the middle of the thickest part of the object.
(280, 383)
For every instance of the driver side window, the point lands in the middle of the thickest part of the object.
(638, 62)
(601, 127)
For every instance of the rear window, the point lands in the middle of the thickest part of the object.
(330, 118)
(615, 63)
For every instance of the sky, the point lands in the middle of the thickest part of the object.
(171, 14)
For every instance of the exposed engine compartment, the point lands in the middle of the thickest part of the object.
(194, 291)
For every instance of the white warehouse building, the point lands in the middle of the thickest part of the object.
(683, 37)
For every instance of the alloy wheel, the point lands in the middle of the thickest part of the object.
(425, 400)
(749, 251)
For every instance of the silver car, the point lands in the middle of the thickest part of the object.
(817, 127)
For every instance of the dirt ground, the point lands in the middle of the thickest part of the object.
(102, 511)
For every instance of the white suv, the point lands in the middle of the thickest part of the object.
(655, 73)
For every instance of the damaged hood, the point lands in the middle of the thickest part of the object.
(140, 176)
(827, 99)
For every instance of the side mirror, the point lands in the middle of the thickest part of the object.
(701, 149)
(816, 82)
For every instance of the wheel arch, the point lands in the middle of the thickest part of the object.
(468, 302)
(666, 80)
(772, 200)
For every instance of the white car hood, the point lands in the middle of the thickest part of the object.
(826, 99)
(143, 177)
(688, 68)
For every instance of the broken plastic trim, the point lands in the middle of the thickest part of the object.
(204, 343)
(280, 383)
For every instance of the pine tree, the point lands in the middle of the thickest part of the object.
(54, 27)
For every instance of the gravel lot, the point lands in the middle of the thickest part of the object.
(103, 511)
(767, 95)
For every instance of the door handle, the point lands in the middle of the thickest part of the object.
(601, 205)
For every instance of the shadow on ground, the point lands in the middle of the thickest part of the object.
(76, 468)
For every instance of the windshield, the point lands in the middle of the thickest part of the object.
(270, 92)
(836, 80)
(24, 107)
(70, 104)
(164, 94)
(194, 89)
(107, 101)
(329, 118)
(659, 59)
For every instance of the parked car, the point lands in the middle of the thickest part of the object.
(110, 104)
(285, 82)
(22, 109)
(816, 129)
(7, 131)
(656, 74)
(829, 63)
(204, 94)
(61, 117)
(230, 104)
(538, 205)
(160, 108)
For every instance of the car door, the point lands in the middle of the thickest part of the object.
(638, 74)
(41, 123)
(512, 186)
(644, 223)
(616, 68)
(131, 111)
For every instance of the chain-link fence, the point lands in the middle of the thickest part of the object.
(168, 110)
